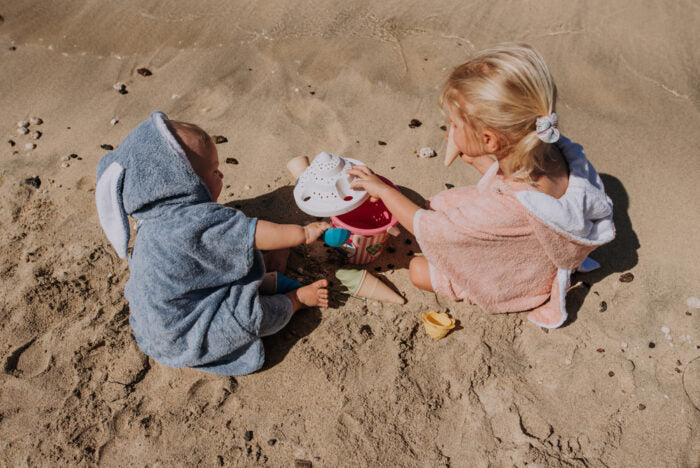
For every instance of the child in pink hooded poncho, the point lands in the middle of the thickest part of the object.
(510, 243)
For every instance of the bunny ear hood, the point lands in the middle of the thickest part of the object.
(581, 220)
(145, 176)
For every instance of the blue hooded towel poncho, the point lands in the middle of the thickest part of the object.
(193, 289)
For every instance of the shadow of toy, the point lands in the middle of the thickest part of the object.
(618, 256)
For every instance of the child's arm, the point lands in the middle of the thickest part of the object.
(397, 203)
(273, 236)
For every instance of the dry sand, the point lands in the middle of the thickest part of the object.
(359, 384)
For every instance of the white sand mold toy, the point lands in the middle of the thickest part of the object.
(323, 189)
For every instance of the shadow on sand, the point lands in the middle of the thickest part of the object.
(616, 257)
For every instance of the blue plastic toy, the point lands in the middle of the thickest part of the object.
(335, 237)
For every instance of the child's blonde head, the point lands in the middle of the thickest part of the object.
(505, 90)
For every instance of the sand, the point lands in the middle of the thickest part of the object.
(358, 384)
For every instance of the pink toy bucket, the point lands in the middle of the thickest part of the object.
(370, 226)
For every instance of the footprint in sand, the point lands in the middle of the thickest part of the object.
(28, 360)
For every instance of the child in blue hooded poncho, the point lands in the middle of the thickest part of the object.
(195, 266)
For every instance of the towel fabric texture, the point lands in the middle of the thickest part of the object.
(508, 248)
(194, 273)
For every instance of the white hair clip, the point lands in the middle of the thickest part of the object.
(546, 127)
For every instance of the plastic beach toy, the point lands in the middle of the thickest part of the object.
(335, 237)
(323, 189)
(360, 283)
(437, 324)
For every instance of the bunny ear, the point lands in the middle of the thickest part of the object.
(110, 208)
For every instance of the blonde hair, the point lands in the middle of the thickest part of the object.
(505, 89)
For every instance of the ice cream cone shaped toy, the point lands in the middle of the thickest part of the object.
(437, 324)
(360, 283)
(452, 151)
(297, 166)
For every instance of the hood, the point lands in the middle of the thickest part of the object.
(572, 226)
(145, 176)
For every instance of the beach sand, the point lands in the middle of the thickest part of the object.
(358, 384)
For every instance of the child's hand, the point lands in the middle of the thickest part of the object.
(368, 181)
(314, 230)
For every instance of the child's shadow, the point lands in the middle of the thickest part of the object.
(277, 346)
(618, 256)
(277, 206)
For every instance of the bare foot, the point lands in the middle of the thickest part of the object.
(276, 260)
(311, 295)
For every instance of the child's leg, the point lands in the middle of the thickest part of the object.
(277, 311)
(276, 260)
(311, 295)
(279, 308)
(419, 272)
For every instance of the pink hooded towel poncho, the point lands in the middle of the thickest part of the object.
(508, 248)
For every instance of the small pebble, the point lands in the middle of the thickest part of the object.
(381, 143)
(175, 96)
(665, 329)
(73, 156)
(65, 158)
(642, 406)
(11, 142)
(23, 123)
(113, 122)
(415, 123)
(218, 139)
(65, 164)
(271, 442)
(107, 147)
(13, 48)
(693, 302)
(248, 436)
(652, 345)
(35, 121)
(600, 350)
(623, 344)
(120, 87)
(426, 153)
(144, 72)
(443, 128)
(30, 146)
(36, 135)
(231, 161)
(626, 277)
(247, 187)
(611, 374)
(33, 181)
(22, 130)
(603, 306)
(449, 186)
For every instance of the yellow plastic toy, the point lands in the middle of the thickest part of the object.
(437, 324)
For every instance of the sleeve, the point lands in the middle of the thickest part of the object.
(251, 238)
